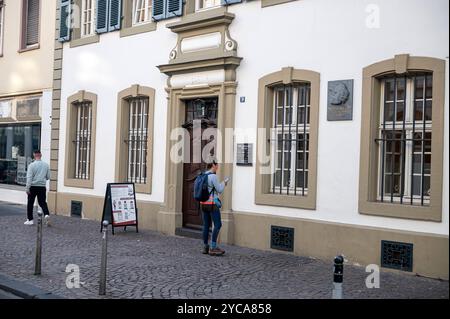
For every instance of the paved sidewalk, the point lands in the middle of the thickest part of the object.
(151, 265)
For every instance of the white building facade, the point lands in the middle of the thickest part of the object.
(347, 100)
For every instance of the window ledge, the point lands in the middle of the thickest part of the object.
(79, 183)
(85, 41)
(137, 29)
(29, 118)
(30, 48)
(269, 3)
(13, 187)
(300, 202)
(425, 213)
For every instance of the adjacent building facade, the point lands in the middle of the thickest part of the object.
(338, 113)
(27, 36)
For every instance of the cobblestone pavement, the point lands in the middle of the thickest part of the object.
(151, 265)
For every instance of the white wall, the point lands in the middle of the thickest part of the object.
(331, 37)
(326, 36)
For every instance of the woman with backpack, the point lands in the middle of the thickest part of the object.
(207, 189)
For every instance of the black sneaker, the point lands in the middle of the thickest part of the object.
(206, 250)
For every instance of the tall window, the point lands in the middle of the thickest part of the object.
(137, 140)
(83, 140)
(405, 135)
(291, 137)
(142, 11)
(88, 18)
(30, 23)
(2, 19)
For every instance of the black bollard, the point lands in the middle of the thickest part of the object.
(338, 278)
(38, 262)
(102, 290)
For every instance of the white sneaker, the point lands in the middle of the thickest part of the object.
(29, 223)
(47, 220)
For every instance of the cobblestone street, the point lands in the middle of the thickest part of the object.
(151, 265)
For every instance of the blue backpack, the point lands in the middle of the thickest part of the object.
(201, 192)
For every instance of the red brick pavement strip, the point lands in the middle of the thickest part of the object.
(151, 265)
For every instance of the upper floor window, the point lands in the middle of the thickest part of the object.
(291, 123)
(207, 4)
(142, 11)
(30, 24)
(405, 135)
(2, 19)
(87, 18)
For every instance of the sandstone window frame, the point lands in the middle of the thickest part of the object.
(269, 3)
(129, 28)
(121, 166)
(287, 76)
(71, 120)
(368, 179)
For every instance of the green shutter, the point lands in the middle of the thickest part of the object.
(64, 20)
(102, 16)
(174, 8)
(159, 9)
(115, 14)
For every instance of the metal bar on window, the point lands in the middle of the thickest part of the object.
(282, 139)
(383, 146)
(305, 136)
(413, 138)
(403, 156)
(394, 118)
(290, 108)
(296, 137)
(422, 185)
(275, 149)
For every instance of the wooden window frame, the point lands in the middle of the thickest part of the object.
(368, 180)
(69, 178)
(23, 33)
(93, 17)
(286, 76)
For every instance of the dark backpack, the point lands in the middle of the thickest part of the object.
(201, 192)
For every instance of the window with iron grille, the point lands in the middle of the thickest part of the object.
(88, 18)
(82, 141)
(30, 23)
(405, 135)
(137, 140)
(142, 11)
(291, 137)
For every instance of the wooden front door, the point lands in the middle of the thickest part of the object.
(204, 111)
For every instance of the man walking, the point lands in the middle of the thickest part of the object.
(211, 211)
(37, 176)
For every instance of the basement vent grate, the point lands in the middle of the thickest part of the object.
(76, 208)
(282, 238)
(397, 255)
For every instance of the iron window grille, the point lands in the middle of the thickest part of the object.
(290, 135)
(88, 18)
(137, 140)
(83, 140)
(405, 136)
